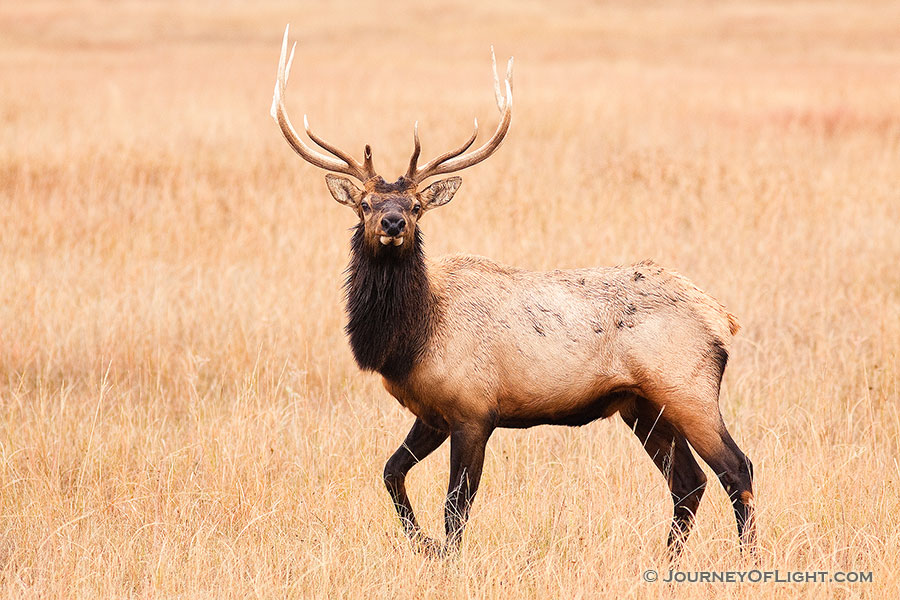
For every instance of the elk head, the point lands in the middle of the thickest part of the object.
(389, 212)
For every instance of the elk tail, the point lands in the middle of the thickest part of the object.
(733, 324)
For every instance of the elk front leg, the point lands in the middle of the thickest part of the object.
(421, 441)
(467, 445)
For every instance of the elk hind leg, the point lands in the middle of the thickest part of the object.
(704, 429)
(672, 456)
(735, 472)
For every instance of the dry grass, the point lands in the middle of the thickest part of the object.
(180, 412)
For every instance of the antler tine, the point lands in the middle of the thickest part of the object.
(497, 93)
(411, 171)
(367, 162)
(344, 156)
(346, 165)
(419, 175)
(452, 161)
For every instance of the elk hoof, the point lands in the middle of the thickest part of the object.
(429, 547)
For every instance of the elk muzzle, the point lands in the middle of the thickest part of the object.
(393, 225)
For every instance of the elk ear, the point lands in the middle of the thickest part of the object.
(440, 192)
(343, 190)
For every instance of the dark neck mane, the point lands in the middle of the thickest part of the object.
(389, 307)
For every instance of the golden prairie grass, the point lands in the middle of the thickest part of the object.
(181, 415)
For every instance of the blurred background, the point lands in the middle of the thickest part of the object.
(181, 414)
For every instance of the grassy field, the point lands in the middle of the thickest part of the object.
(180, 415)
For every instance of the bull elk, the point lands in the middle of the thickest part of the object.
(469, 345)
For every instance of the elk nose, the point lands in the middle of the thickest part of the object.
(393, 224)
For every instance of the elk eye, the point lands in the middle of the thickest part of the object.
(365, 207)
(416, 208)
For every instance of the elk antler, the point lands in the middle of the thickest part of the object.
(346, 164)
(452, 161)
